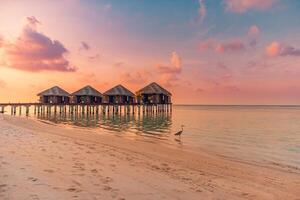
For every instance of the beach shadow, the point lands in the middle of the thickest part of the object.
(178, 140)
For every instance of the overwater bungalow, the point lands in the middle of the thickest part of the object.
(54, 95)
(87, 95)
(120, 95)
(153, 94)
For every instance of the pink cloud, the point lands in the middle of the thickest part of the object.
(174, 67)
(94, 57)
(90, 78)
(226, 77)
(33, 51)
(32, 21)
(241, 6)
(290, 51)
(207, 44)
(138, 77)
(254, 30)
(168, 73)
(253, 34)
(119, 64)
(202, 10)
(168, 80)
(232, 46)
(276, 49)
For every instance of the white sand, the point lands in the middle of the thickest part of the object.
(41, 161)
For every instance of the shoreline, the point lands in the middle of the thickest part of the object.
(136, 169)
(281, 166)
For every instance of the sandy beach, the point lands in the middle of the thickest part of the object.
(44, 161)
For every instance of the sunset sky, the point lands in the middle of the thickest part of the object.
(203, 51)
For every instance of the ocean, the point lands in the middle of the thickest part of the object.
(261, 135)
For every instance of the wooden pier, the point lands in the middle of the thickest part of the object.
(85, 109)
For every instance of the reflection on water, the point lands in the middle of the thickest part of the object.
(148, 124)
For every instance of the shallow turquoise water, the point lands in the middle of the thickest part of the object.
(268, 135)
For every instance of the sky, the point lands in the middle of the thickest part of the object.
(202, 51)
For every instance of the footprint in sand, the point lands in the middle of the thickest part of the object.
(114, 193)
(2, 188)
(107, 188)
(107, 180)
(34, 197)
(73, 189)
(76, 183)
(32, 179)
(48, 170)
(92, 147)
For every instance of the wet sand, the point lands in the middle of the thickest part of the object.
(42, 161)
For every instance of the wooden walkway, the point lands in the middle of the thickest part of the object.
(71, 108)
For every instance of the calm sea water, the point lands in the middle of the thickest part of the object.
(266, 135)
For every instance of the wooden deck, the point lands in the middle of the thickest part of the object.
(72, 108)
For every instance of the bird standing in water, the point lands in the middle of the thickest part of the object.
(179, 132)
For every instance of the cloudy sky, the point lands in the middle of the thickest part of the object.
(203, 51)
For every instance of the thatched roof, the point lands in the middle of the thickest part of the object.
(54, 91)
(87, 91)
(154, 88)
(119, 90)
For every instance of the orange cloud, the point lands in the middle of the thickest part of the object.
(277, 49)
(241, 6)
(168, 80)
(175, 66)
(33, 51)
(168, 73)
(254, 30)
(273, 49)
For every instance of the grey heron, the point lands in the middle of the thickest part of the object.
(179, 132)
